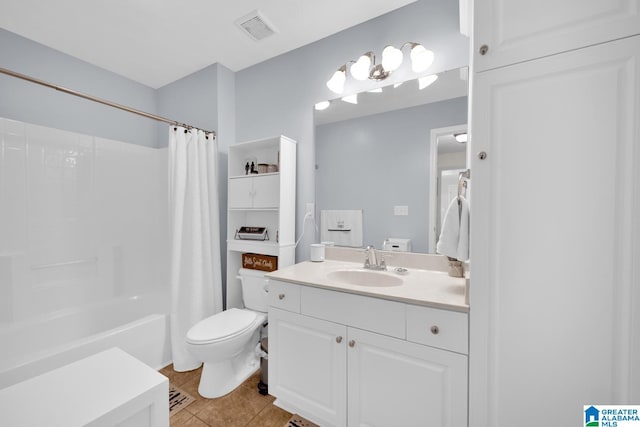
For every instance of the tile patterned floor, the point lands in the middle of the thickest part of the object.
(242, 407)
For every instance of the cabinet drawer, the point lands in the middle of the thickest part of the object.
(444, 329)
(372, 314)
(284, 295)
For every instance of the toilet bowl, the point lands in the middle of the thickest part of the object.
(227, 342)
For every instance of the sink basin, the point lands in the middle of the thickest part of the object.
(365, 278)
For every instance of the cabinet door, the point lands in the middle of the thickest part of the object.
(307, 366)
(266, 191)
(555, 236)
(240, 193)
(397, 383)
(518, 30)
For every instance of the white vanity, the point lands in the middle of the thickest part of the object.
(390, 351)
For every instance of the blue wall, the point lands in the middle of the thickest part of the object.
(25, 101)
(276, 96)
(271, 98)
(379, 161)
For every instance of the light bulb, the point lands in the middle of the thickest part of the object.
(351, 99)
(360, 68)
(323, 105)
(460, 137)
(426, 81)
(421, 58)
(391, 58)
(336, 83)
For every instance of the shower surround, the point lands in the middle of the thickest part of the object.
(83, 226)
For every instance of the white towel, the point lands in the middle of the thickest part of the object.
(454, 236)
(343, 227)
(463, 240)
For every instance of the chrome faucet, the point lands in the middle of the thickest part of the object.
(371, 260)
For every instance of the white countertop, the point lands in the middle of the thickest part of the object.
(421, 287)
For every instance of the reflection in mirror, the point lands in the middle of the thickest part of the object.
(386, 154)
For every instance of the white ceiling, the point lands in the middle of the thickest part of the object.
(156, 42)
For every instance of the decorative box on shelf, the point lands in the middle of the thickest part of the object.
(259, 262)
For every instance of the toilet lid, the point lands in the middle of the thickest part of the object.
(222, 325)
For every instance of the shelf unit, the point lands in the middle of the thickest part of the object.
(260, 200)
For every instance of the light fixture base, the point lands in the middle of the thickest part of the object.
(378, 73)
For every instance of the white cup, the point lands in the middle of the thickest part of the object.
(317, 252)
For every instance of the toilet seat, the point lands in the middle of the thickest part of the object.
(221, 326)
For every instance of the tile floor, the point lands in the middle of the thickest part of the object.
(242, 407)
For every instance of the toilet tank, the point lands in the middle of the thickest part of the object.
(254, 294)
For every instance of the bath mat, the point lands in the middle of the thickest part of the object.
(297, 421)
(178, 400)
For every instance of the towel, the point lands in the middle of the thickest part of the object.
(343, 227)
(454, 236)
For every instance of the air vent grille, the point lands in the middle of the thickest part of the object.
(255, 26)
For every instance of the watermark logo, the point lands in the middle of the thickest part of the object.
(611, 416)
(592, 417)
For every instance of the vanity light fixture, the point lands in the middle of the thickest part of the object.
(365, 66)
(460, 137)
(360, 68)
(322, 105)
(336, 83)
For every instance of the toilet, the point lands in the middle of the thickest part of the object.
(227, 342)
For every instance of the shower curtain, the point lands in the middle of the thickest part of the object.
(196, 282)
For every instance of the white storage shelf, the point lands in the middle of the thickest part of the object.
(260, 200)
(261, 151)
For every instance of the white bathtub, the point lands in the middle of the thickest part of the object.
(138, 325)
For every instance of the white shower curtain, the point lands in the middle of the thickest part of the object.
(196, 281)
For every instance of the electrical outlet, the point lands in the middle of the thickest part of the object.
(311, 209)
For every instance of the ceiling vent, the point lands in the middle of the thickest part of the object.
(255, 25)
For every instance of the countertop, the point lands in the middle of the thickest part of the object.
(420, 287)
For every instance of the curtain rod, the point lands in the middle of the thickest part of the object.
(99, 100)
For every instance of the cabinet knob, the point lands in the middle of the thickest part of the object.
(352, 343)
(435, 330)
(280, 296)
(483, 49)
(338, 340)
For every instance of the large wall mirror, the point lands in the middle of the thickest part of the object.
(394, 156)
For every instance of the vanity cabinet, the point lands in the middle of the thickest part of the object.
(554, 230)
(516, 30)
(308, 366)
(260, 200)
(342, 359)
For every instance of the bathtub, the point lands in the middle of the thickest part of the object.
(138, 325)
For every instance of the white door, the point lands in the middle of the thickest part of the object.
(517, 30)
(394, 383)
(555, 236)
(240, 193)
(307, 366)
(266, 191)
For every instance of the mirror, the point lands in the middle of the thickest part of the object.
(393, 155)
